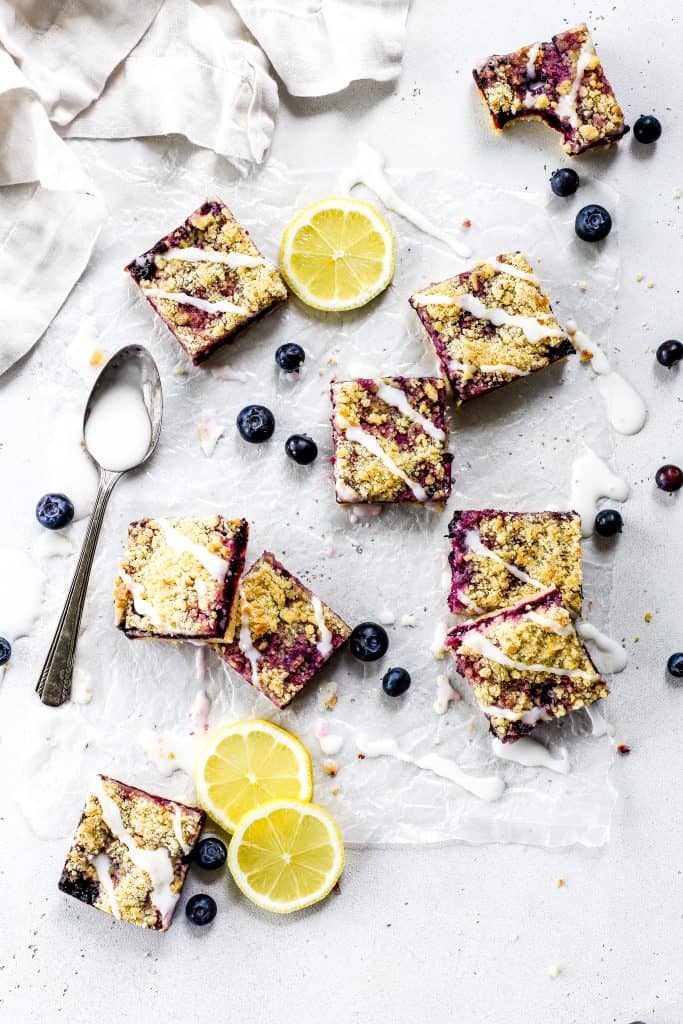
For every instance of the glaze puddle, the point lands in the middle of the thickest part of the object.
(592, 479)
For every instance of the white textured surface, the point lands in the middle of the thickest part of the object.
(614, 929)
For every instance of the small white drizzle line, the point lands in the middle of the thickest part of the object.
(592, 479)
(183, 299)
(216, 566)
(626, 409)
(530, 717)
(399, 400)
(372, 445)
(531, 754)
(475, 641)
(507, 268)
(566, 105)
(324, 644)
(235, 260)
(156, 863)
(486, 788)
(532, 54)
(368, 169)
(547, 622)
(102, 863)
(474, 545)
(141, 606)
(531, 327)
(246, 644)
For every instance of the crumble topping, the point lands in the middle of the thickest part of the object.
(562, 82)
(543, 546)
(281, 633)
(104, 867)
(502, 328)
(390, 440)
(221, 284)
(178, 577)
(526, 664)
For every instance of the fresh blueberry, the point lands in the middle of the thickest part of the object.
(608, 522)
(210, 853)
(647, 129)
(290, 357)
(564, 182)
(674, 665)
(369, 641)
(669, 478)
(143, 267)
(593, 223)
(301, 448)
(201, 909)
(669, 352)
(255, 423)
(5, 650)
(395, 682)
(54, 511)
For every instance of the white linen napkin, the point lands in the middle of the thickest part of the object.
(49, 216)
(318, 47)
(187, 77)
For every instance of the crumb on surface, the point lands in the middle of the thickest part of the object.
(648, 616)
(623, 749)
(330, 768)
(554, 971)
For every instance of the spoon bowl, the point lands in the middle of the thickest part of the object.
(130, 387)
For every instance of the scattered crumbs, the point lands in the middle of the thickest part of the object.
(336, 889)
(648, 616)
(331, 361)
(408, 620)
(327, 696)
(466, 223)
(623, 749)
(146, 953)
(336, 790)
(330, 768)
(636, 639)
(560, 883)
(554, 971)
(650, 284)
(514, 938)
(97, 357)
(676, 194)
(583, 286)
(388, 924)
(180, 371)
(437, 741)
(639, 277)
(321, 371)
(586, 356)
(471, 727)
(361, 757)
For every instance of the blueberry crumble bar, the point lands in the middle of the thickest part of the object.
(207, 280)
(178, 577)
(526, 665)
(501, 558)
(390, 438)
(282, 634)
(130, 853)
(491, 325)
(562, 83)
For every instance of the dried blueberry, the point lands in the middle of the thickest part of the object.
(669, 352)
(290, 357)
(395, 682)
(368, 641)
(255, 423)
(54, 511)
(210, 853)
(5, 650)
(608, 522)
(669, 478)
(564, 182)
(301, 448)
(593, 223)
(201, 909)
(647, 129)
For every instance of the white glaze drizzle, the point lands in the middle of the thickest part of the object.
(507, 268)
(371, 444)
(330, 744)
(178, 829)
(207, 306)
(475, 546)
(229, 259)
(599, 724)
(615, 657)
(566, 105)
(547, 622)
(592, 479)
(156, 863)
(324, 644)
(626, 409)
(445, 695)
(531, 754)
(102, 863)
(480, 644)
(531, 327)
(492, 368)
(246, 644)
(216, 566)
(530, 717)
(368, 169)
(485, 788)
(399, 400)
(532, 54)
(141, 605)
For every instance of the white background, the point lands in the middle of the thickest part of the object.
(429, 934)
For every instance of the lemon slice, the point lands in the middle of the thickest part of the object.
(247, 763)
(337, 254)
(286, 855)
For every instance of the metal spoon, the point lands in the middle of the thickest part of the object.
(54, 682)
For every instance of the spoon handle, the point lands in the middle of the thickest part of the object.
(54, 682)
